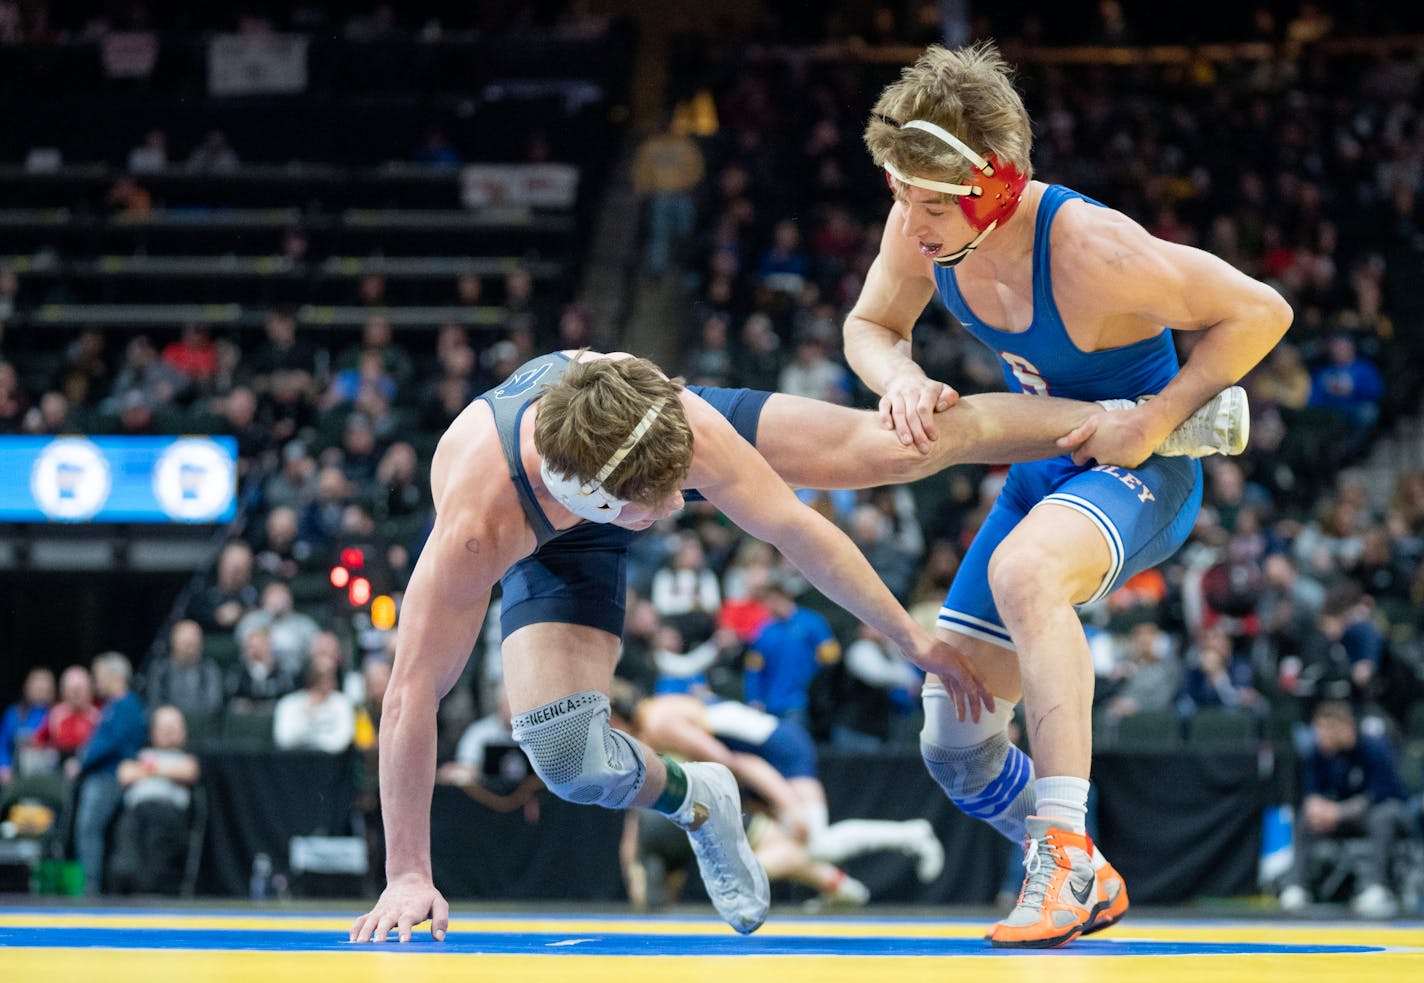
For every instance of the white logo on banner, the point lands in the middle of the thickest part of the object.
(194, 480)
(70, 479)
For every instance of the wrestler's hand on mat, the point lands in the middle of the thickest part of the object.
(405, 903)
(958, 675)
(908, 407)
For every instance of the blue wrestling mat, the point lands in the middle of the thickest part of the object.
(132, 945)
(641, 944)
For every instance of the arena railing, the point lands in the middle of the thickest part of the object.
(237, 315)
(1160, 54)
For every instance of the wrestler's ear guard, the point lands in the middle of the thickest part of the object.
(999, 188)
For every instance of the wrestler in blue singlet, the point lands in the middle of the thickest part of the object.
(578, 575)
(1144, 513)
(785, 746)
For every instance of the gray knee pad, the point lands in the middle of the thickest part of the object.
(992, 781)
(983, 774)
(580, 757)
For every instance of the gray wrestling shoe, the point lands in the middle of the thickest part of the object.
(1222, 426)
(712, 816)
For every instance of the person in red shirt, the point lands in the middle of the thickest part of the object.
(193, 354)
(743, 610)
(72, 720)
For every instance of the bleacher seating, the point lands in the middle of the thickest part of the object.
(332, 164)
(1222, 728)
(248, 730)
(330, 191)
(1145, 731)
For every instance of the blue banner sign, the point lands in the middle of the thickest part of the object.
(118, 479)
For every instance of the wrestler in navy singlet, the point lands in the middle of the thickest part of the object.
(578, 575)
(1144, 513)
(784, 745)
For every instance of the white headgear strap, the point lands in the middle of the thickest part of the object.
(927, 184)
(979, 164)
(955, 144)
(934, 130)
(589, 499)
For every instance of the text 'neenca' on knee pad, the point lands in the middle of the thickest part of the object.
(580, 757)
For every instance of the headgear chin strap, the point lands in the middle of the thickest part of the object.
(589, 499)
(991, 198)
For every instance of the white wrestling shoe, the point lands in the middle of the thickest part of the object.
(1222, 426)
(712, 816)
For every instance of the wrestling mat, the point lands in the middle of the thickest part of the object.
(271, 946)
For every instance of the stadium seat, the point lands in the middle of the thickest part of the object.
(1222, 728)
(1142, 731)
(25, 852)
(1411, 765)
(202, 727)
(252, 729)
(197, 833)
(310, 587)
(1414, 726)
(222, 648)
(1284, 716)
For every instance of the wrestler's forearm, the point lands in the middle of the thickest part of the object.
(441, 614)
(837, 569)
(407, 777)
(1223, 355)
(876, 353)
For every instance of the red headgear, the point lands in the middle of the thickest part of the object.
(989, 199)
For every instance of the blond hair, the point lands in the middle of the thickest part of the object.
(586, 416)
(967, 91)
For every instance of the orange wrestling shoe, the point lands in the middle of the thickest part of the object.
(1112, 895)
(1060, 893)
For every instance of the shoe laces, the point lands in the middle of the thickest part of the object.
(714, 850)
(702, 826)
(1039, 862)
(1203, 428)
(1041, 859)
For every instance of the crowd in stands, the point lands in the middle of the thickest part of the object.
(1302, 583)
(1301, 168)
(334, 431)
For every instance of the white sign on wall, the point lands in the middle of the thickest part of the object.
(257, 64)
(532, 185)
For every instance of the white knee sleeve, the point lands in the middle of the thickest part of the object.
(580, 757)
(983, 774)
(944, 729)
